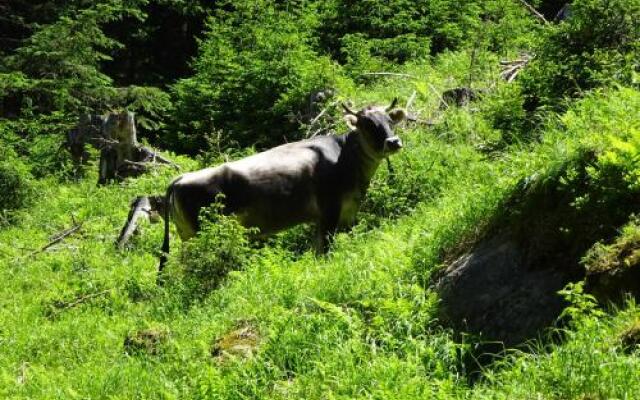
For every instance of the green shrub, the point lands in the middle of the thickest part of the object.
(503, 108)
(15, 185)
(597, 45)
(39, 141)
(221, 246)
(419, 173)
(59, 65)
(255, 71)
(363, 54)
(401, 30)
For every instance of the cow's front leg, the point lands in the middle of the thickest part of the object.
(326, 228)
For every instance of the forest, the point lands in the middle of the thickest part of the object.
(496, 255)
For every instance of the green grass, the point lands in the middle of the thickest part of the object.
(359, 323)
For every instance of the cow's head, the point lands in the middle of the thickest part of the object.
(375, 128)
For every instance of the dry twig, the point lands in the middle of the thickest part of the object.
(412, 98)
(511, 69)
(61, 306)
(534, 12)
(57, 239)
(387, 74)
(317, 118)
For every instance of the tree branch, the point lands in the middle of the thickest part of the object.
(533, 11)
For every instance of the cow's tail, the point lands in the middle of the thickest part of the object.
(164, 251)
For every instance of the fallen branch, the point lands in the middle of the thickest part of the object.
(61, 306)
(140, 207)
(534, 12)
(387, 74)
(138, 164)
(511, 69)
(507, 73)
(512, 62)
(56, 239)
(317, 118)
(412, 98)
(150, 155)
(513, 75)
(327, 131)
(438, 95)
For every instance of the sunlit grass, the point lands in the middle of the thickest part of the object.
(358, 323)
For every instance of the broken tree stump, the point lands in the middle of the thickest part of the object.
(150, 208)
(121, 155)
(87, 131)
(459, 96)
(115, 136)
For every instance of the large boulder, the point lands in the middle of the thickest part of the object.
(504, 288)
(499, 294)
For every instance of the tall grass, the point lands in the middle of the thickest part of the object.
(358, 323)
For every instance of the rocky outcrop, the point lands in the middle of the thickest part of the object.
(504, 288)
(497, 293)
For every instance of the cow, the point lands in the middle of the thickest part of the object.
(321, 180)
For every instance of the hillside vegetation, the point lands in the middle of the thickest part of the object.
(550, 153)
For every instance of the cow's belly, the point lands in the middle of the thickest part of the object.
(274, 197)
(273, 215)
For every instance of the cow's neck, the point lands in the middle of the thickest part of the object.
(362, 163)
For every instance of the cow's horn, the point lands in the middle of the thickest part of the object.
(393, 104)
(347, 109)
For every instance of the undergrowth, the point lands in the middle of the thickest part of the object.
(80, 319)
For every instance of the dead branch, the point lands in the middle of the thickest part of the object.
(534, 12)
(513, 75)
(139, 164)
(61, 306)
(512, 62)
(412, 98)
(511, 69)
(140, 207)
(56, 239)
(387, 74)
(327, 130)
(317, 118)
(150, 155)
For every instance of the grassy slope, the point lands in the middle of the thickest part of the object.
(356, 324)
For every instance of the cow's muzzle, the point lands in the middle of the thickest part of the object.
(393, 144)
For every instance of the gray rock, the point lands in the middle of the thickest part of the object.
(498, 293)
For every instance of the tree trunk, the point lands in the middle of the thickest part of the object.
(121, 155)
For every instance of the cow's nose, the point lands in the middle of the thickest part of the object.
(394, 143)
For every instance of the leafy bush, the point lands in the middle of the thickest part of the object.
(221, 246)
(15, 184)
(419, 173)
(364, 54)
(597, 45)
(362, 33)
(503, 108)
(255, 70)
(621, 159)
(39, 141)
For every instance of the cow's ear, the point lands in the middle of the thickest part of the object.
(397, 115)
(351, 121)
